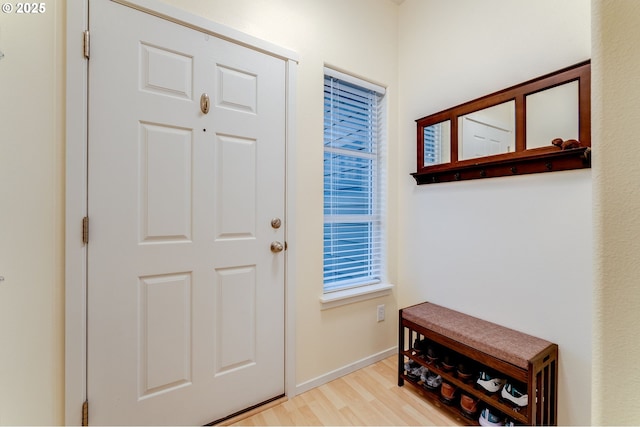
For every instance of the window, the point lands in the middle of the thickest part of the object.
(353, 182)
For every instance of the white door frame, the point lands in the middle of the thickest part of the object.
(76, 188)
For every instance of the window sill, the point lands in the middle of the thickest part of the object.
(350, 296)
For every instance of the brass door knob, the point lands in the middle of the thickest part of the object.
(276, 247)
(204, 103)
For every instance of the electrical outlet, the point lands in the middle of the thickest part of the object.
(381, 313)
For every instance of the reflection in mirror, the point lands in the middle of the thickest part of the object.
(487, 132)
(437, 143)
(552, 113)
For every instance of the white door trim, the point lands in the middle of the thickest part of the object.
(75, 210)
(76, 189)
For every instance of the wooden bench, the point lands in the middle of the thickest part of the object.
(519, 357)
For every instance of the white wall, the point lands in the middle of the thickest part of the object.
(616, 104)
(513, 250)
(32, 217)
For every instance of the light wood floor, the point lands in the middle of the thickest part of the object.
(368, 397)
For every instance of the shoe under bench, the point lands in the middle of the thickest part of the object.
(522, 358)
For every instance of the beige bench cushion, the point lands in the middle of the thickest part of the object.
(500, 342)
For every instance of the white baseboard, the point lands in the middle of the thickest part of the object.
(352, 367)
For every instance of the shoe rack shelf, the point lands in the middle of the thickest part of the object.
(519, 358)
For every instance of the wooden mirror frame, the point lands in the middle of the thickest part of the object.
(522, 160)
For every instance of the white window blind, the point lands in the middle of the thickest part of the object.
(432, 139)
(353, 183)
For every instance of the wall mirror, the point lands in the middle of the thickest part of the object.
(487, 132)
(553, 113)
(436, 139)
(541, 125)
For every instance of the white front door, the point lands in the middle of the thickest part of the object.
(185, 296)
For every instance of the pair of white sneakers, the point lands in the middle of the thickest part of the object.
(488, 418)
(509, 392)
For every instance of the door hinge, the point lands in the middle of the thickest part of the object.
(85, 48)
(85, 413)
(85, 230)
